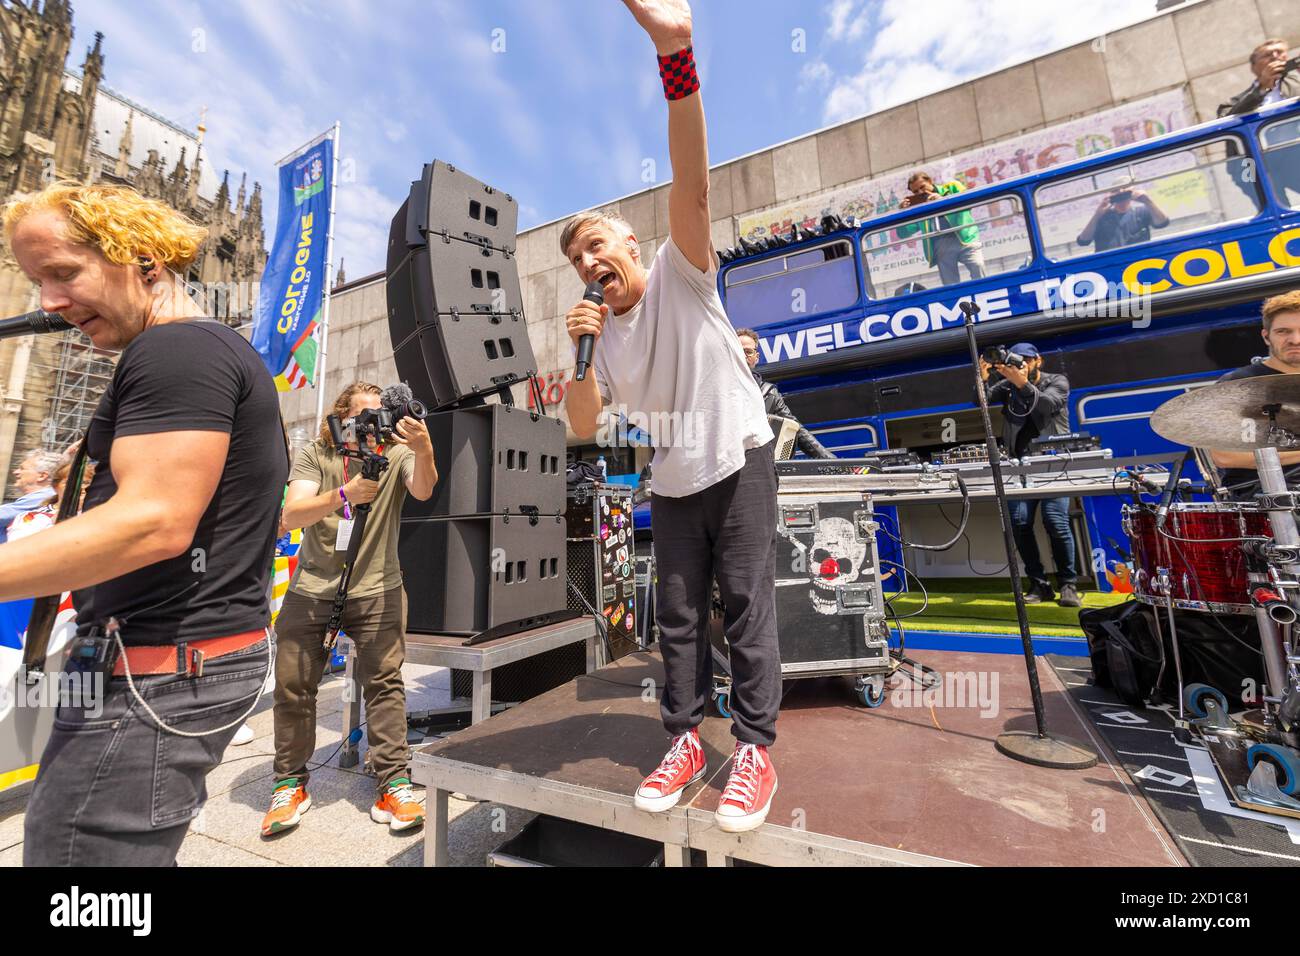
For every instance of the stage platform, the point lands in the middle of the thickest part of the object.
(914, 782)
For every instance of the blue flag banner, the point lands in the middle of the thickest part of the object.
(286, 329)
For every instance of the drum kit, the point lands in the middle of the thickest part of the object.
(1234, 558)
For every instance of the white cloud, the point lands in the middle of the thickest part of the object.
(919, 48)
(839, 13)
(362, 217)
(815, 75)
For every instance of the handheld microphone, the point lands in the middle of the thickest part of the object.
(38, 322)
(595, 293)
(1174, 473)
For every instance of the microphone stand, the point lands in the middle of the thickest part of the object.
(1038, 747)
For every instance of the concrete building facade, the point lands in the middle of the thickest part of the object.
(1199, 48)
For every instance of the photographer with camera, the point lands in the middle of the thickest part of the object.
(1275, 79)
(1124, 217)
(170, 557)
(1034, 404)
(325, 487)
(957, 239)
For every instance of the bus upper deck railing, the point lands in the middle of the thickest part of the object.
(1221, 220)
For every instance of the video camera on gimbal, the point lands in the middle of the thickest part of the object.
(376, 425)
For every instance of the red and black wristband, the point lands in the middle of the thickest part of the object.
(677, 70)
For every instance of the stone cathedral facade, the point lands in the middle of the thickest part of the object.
(58, 124)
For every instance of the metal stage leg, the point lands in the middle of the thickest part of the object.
(481, 702)
(435, 828)
(594, 654)
(675, 855)
(348, 756)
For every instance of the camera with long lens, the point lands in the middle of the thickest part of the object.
(1001, 355)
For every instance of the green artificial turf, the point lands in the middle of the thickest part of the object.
(962, 604)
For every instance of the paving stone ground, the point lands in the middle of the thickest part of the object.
(337, 830)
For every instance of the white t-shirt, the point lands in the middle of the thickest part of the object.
(673, 365)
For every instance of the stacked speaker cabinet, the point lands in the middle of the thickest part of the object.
(485, 556)
(455, 310)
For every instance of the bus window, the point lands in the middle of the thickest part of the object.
(802, 282)
(984, 239)
(1141, 199)
(1281, 143)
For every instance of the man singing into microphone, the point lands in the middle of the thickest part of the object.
(665, 348)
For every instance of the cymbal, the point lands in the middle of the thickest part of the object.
(1229, 416)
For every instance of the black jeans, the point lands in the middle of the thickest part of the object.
(1056, 519)
(116, 790)
(727, 532)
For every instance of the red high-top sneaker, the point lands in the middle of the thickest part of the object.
(682, 766)
(749, 790)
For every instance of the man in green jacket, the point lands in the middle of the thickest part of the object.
(955, 239)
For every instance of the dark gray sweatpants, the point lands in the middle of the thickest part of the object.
(727, 532)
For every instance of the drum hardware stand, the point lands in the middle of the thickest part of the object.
(1037, 747)
(1162, 584)
(1257, 754)
(1280, 503)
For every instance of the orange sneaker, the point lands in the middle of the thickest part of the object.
(288, 803)
(398, 807)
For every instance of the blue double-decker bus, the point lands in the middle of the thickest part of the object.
(864, 337)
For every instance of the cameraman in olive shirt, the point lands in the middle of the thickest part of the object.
(324, 487)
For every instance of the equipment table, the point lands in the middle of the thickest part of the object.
(1049, 480)
(440, 650)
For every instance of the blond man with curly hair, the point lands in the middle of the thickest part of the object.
(170, 557)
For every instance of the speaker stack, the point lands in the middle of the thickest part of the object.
(485, 556)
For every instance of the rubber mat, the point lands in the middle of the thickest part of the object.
(1179, 782)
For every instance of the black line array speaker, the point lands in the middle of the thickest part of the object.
(455, 308)
(494, 459)
(485, 555)
(483, 576)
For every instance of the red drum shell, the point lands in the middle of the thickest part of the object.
(1205, 572)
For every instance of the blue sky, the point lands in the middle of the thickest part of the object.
(554, 101)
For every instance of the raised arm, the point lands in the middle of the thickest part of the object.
(668, 24)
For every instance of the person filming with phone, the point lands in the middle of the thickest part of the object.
(1123, 218)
